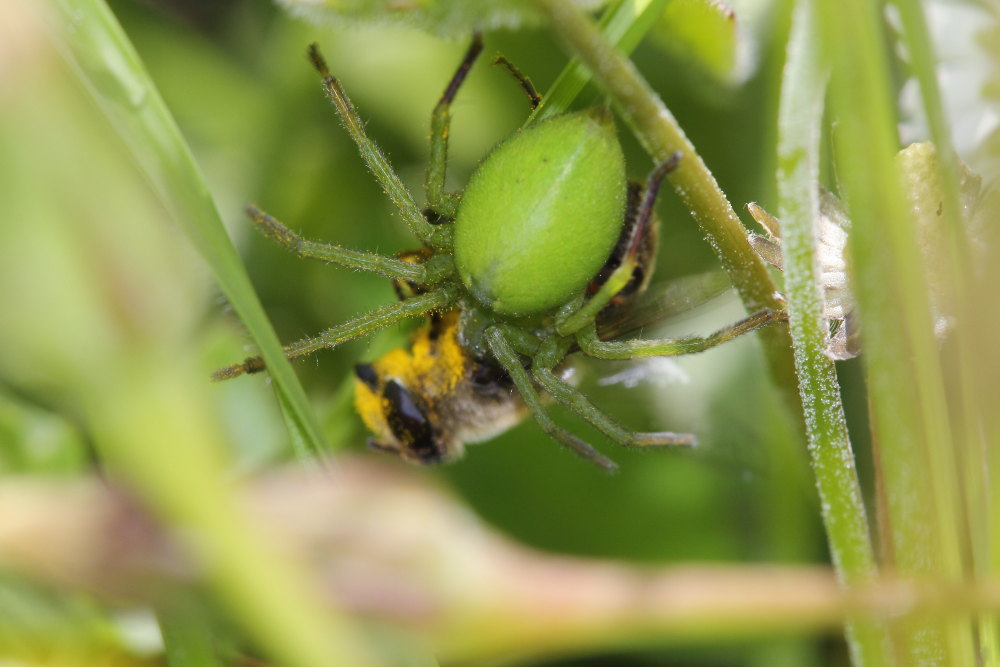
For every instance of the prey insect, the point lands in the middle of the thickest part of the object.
(544, 251)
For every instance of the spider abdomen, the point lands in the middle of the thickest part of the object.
(542, 213)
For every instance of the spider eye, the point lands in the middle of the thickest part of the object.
(410, 425)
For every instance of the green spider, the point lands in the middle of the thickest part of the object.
(542, 253)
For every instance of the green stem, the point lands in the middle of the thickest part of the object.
(109, 66)
(661, 136)
(799, 121)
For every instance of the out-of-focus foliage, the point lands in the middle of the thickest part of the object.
(447, 18)
(34, 440)
(90, 264)
(704, 31)
(45, 628)
(965, 36)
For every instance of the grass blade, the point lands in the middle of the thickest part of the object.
(969, 379)
(799, 133)
(915, 452)
(110, 68)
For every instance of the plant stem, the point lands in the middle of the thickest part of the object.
(799, 121)
(659, 133)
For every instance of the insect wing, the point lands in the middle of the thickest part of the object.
(664, 301)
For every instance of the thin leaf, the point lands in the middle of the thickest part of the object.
(941, 194)
(912, 430)
(800, 116)
(111, 69)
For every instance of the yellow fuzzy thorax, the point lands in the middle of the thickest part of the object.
(431, 368)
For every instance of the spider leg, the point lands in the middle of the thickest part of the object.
(360, 326)
(571, 322)
(592, 346)
(390, 267)
(445, 204)
(507, 358)
(377, 162)
(576, 401)
(534, 99)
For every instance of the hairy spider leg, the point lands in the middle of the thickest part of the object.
(545, 355)
(593, 346)
(576, 401)
(534, 99)
(416, 306)
(509, 360)
(444, 205)
(376, 161)
(390, 267)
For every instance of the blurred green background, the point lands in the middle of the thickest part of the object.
(235, 76)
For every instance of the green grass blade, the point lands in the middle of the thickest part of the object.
(800, 117)
(915, 450)
(111, 69)
(971, 383)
